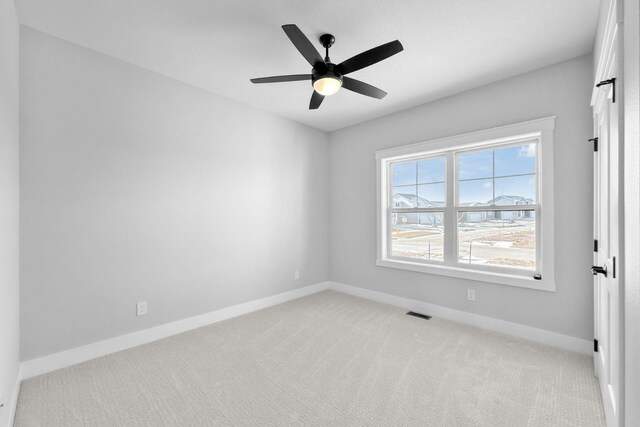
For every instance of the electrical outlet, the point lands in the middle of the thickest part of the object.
(141, 308)
(296, 275)
(471, 295)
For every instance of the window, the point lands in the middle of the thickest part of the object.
(471, 206)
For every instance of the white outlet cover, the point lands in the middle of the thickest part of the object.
(296, 275)
(471, 294)
(141, 308)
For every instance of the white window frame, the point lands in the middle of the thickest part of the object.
(540, 129)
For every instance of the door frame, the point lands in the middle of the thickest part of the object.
(630, 91)
(611, 57)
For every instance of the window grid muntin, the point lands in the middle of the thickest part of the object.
(493, 148)
(391, 209)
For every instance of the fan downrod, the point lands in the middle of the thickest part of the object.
(327, 40)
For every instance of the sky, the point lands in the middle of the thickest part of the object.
(481, 173)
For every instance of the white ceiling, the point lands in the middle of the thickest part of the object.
(218, 45)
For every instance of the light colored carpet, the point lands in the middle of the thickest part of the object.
(324, 360)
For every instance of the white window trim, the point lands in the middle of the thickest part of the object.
(539, 128)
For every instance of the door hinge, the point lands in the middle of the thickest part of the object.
(611, 81)
(595, 143)
(595, 345)
(595, 245)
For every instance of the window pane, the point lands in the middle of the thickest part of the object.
(497, 238)
(516, 160)
(417, 235)
(475, 192)
(516, 190)
(404, 196)
(431, 195)
(403, 173)
(475, 164)
(431, 170)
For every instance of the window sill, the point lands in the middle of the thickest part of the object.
(463, 273)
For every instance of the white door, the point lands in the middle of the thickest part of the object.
(607, 294)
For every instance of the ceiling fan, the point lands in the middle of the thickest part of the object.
(326, 77)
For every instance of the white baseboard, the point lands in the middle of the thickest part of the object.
(14, 399)
(521, 331)
(63, 359)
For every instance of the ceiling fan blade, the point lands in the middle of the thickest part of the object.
(280, 79)
(362, 88)
(369, 57)
(304, 46)
(316, 100)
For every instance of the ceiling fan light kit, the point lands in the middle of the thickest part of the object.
(326, 77)
(327, 85)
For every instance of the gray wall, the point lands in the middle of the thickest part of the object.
(136, 187)
(563, 90)
(9, 197)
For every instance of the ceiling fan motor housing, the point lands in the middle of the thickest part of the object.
(328, 73)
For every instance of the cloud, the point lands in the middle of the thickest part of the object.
(487, 185)
(528, 150)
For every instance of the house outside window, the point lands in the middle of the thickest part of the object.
(476, 206)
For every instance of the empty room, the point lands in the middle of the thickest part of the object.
(330, 213)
